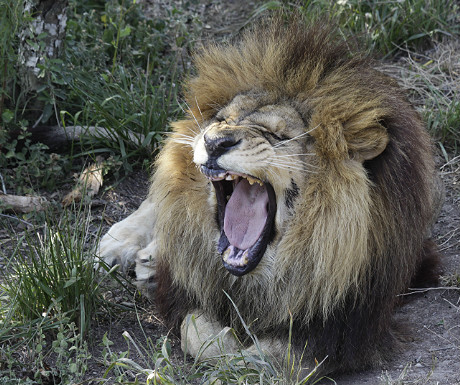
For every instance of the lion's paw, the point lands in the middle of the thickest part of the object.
(125, 239)
(146, 268)
(205, 339)
(113, 251)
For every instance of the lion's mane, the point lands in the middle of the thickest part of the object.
(359, 231)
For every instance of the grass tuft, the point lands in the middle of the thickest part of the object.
(51, 272)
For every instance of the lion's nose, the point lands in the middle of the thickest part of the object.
(219, 145)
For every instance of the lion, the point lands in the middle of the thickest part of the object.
(297, 194)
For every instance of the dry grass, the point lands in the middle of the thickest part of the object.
(433, 81)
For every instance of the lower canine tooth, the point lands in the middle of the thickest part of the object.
(226, 254)
(245, 257)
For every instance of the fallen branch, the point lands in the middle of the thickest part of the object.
(58, 138)
(17, 219)
(423, 290)
(22, 204)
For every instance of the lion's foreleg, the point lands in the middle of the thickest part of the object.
(127, 238)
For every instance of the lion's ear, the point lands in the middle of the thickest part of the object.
(368, 143)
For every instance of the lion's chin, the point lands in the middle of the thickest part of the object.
(246, 211)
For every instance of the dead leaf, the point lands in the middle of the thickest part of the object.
(88, 184)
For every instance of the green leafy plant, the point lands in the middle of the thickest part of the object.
(10, 20)
(132, 99)
(43, 352)
(117, 71)
(50, 293)
(28, 166)
(131, 112)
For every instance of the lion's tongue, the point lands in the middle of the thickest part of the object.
(245, 214)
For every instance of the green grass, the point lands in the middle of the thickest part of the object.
(391, 24)
(51, 271)
(49, 294)
(47, 349)
(432, 82)
(119, 70)
(129, 84)
(133, 111)
(150, 361)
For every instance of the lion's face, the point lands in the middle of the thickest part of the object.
(257, 153)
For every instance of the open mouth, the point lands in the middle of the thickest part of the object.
(246, 210)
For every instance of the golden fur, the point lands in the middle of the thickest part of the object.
(350, 236)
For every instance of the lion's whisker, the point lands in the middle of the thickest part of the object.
(193, 115)
(295, 137)
(177, 133)
(183, 138)
(291, 163)
(287, 167)
(199, 109)
(183, 141)
(286, 156)
(184, 135)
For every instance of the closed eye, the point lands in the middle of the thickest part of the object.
(269, 135)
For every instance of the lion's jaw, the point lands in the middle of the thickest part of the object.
(255, 158)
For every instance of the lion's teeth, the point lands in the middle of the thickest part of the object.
(245, 258)
(226, 254)
(252, 180)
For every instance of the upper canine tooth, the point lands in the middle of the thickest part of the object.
(251, 180)
(230, 177)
